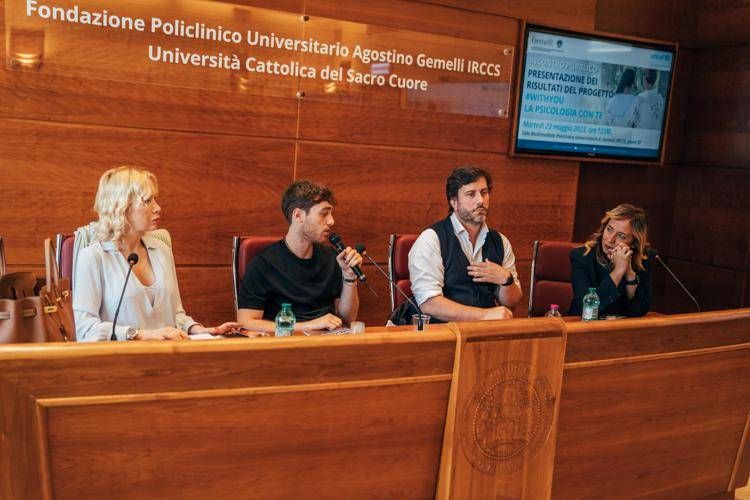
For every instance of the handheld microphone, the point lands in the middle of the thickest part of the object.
(420, 322)
(132, 260)
(335, 240)
(657, 257)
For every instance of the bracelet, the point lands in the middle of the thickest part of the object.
(509, 281)
(350, 280)
(634, 282)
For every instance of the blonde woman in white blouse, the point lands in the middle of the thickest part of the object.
(151, 307)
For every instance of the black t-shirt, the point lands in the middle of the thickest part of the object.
(276, 276)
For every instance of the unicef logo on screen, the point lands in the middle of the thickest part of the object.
(661, 57)
(559, 44)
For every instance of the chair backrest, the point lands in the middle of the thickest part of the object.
(244, 248)
(398, 265)
(2, 257)
(67, 247)
(550, 276)
(64, 244)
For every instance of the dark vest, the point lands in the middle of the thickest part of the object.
(457, 284)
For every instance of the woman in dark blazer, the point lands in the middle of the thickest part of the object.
(617, 262)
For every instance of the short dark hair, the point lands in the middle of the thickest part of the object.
(627, 79)
(462, 176)
(650, 75)
(304, 194)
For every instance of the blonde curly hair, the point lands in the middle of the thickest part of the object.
(121, 188)
(639, 225)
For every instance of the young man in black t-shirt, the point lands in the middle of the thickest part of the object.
(302, 269)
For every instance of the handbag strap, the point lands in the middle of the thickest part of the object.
(2, 256)
(50, 264)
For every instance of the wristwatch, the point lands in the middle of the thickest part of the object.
(634, 282)
(131, 333)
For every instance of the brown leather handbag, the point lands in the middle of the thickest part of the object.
(34, 310)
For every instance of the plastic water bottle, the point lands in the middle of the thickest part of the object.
(590, 306)
(554, 311)
(285, 321)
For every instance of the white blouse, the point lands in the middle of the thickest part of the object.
(99, 278)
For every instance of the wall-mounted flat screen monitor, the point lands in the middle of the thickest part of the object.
(592, 96)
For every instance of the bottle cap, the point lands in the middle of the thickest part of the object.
(286, 304)
(554, 306)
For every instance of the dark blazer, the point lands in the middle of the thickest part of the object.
(586, 272)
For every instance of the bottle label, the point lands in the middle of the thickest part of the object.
(590, 313)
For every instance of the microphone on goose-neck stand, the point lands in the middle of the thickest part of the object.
(338, 244)
(420, 321)
(658, 258)
(132, 260)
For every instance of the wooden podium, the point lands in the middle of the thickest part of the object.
(532, 408)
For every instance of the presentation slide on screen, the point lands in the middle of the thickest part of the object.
(595, 97)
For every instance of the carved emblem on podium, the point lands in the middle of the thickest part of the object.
(507, 418)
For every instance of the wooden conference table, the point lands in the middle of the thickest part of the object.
(654, 407)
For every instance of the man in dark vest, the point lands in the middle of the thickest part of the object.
(461, 270)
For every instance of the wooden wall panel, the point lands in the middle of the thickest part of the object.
(713, 287)
(207, 294)
(350, 123)
(662, 20)
(721, 23)
(104, 102)
(719, 125)
(711, 223)
(475, 24)
(211, 186)
(573, 14)
(354, 124)
(679, 108)
(389, 190)
(374, 310)
(285, 5)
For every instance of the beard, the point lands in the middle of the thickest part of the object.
(474, 217)
(315, 235)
